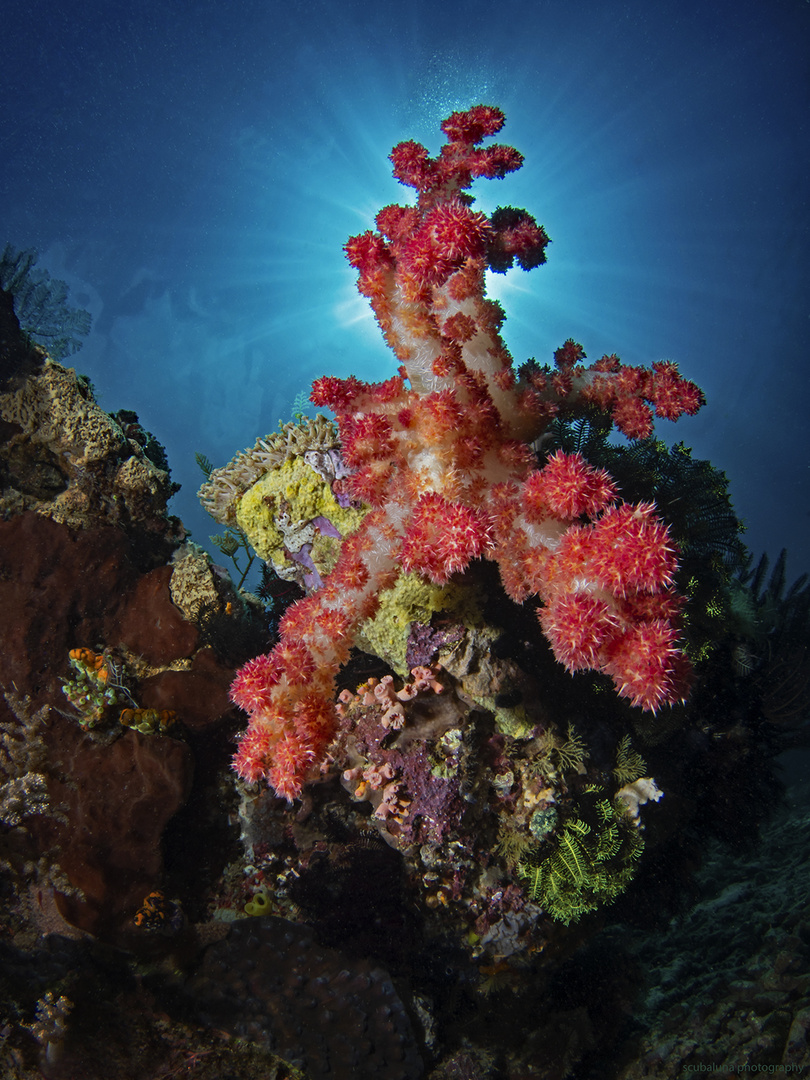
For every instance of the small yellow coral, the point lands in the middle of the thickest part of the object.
(276, 513)
(413, 599)
(259, 904)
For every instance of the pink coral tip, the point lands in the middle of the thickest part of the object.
(291, 761)
(252, 688)
(457, 232)
(250, 760)
(296, 662)
(642, 663)
(444, 538)
(633, 418)
(474, 124)
(412, 164)
(577, 625)
(632, 551)
(567, 487)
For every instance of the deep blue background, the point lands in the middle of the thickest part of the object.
(192, 169)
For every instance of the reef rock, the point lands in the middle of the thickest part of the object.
(86, 546)
(332, 1015)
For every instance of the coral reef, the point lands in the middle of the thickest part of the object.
(66, 458)
(452, 762)
(108, 805)
(95, 689)
(488, 869)
(439, 457)
(96, 656)
(314, 441)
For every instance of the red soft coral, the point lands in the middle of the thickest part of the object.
(443, 454)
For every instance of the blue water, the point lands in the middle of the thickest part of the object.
(192, 170)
